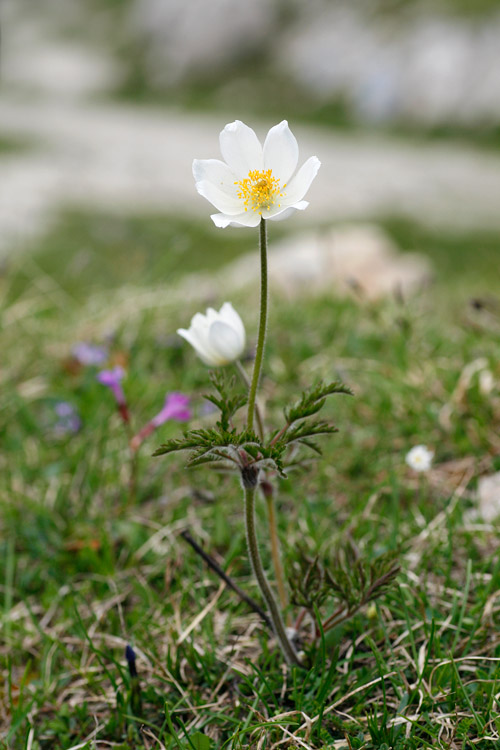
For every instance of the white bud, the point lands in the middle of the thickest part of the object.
(217, 337)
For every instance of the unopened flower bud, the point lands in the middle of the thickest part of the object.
(217, 337)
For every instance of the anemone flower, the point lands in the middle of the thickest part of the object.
(255, 181)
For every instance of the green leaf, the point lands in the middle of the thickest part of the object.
(312, 445)
(313, 399)
(192, 439)
(228, 401)
(309, 429)
(215, 444)
(200, 741)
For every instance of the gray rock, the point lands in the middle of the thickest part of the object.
(187, 38)
(352, 257)
(38, 57)
(429, 69)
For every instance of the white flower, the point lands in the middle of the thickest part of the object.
(217, 337)
(255, 181)
(419, 458)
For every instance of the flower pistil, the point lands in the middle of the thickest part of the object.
(260, 190)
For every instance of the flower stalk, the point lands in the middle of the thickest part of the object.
(261, 338)
(250, 482)
(267, 491)
(256, 182)
(258, 414)
(254, 554)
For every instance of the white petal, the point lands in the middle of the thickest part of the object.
(216, 172)
(199, 344)
(211, 316)
(281, 152)
(301, 182)
(229, 315)
(245, 219)
(224, 201)
(199, 323)
(285, 213)
(225, 341)
(241, 148)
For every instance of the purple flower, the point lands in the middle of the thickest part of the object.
(89, 354)
(68, 420)
(112, 379)
(207, 408)
(176, 407)
(63, 409)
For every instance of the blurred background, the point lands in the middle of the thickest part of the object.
(106, 102)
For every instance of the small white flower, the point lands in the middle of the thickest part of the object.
(217, 337)
(486, 382)
(255, 181)
(419, 458)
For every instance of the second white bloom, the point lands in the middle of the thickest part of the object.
(217, 337)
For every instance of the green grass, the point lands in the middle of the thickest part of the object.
(84, 570)
(464, 262)
(14, 144)
(90, 253)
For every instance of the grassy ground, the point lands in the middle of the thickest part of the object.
(86, 569)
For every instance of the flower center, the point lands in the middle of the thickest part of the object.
(260, 190)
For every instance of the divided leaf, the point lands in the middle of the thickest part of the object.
(350, 580)
(313, 399)
(309, 429)
(357, 582)
(228, 402)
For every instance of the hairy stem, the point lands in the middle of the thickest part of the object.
(259, 352)
(254, 554)
(275, 551)
(258, 415)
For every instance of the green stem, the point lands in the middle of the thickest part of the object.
(259, 352)
(258, 415)
(134, 467)
(271, 512)
(254, 554)
(275, 551)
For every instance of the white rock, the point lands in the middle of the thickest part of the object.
(428, 68)
(488, 491)
(36, 57)
(360, 257)
(192, 37)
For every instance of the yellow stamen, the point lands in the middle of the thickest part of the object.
(259, 190)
